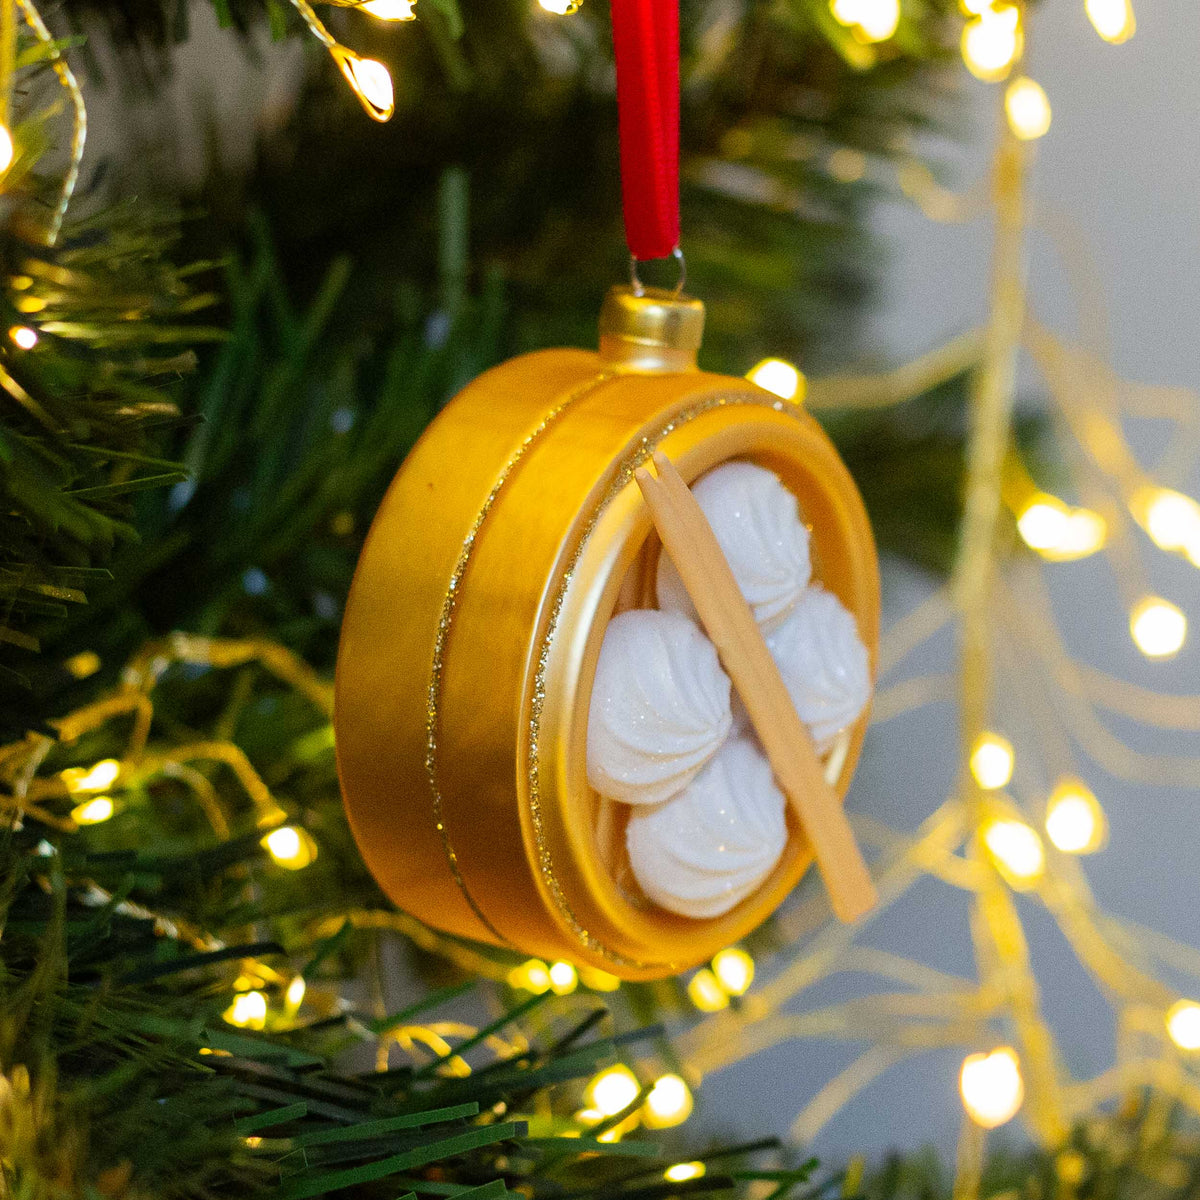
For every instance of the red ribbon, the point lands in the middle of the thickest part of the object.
(646, 42)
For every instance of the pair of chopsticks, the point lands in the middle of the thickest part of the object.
(689, 540)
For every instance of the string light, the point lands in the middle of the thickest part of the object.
(992, 42)
(1085, 533)
(1028, 108)
(23, 337)
(991, 1086)
(682, 1172)
(370, 81)
(669, 1103)
(869, 20)
(734, 969)
(390, 10)
(92, 812)
(248, 1011)
(1171, 518)
(1042, 523)
(597, 980)
(84, 664)
(778, 377)
(563, 979)
(1075, 822)
(613, 1090)
(295, 993)
(706, 993)
(1016, 852)
(532, 976)
(92, 779)
(560, 8)
(1183, 1024)
(290, 847)
(1158, 627)
(1113, 20)
(992, 761)
(1057, 531)
(8, 150)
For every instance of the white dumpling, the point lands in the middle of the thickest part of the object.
(757, 524)
(712, 845)
(659, 708)
(823, 663)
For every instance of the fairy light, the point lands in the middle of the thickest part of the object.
(23, 337)
(1113, 20)
(682, 1172)
(92, 812)
(1042, 523)
(613, 1090)
(1016, 851)
(8, 149)
(869, 20)
(669, 1103)
(1158, 627)
(370, 81)
(248, 1011)
(992, 761)
(295, 993)
(1171, 518)
(991, 1086)
(390, 10)
(734, 969)
(1183, 1024)
(1085, 533)
(597, 980)
(563, 979)
(706, 993)
(778, 377)
(531, 976)
(84, 664)
(92, 779)
(992, 42)
(1075, 822)
(290, 847)
(560, 8)
(1028, 108)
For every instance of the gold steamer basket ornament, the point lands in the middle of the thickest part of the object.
(511, 535)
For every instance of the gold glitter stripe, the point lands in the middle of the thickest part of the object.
(439, 646)
(644, 449)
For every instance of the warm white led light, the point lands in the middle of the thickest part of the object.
(669, 1103)
(1028, 108)
(613, 1090)
(1016, 850)
(734, 969)
(779, 377)
(1158, 627)
(1075, 822)
(992, 761)
(1183, 1024)
(991, 1086)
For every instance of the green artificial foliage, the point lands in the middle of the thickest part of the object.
(123, 944)
(99, 326)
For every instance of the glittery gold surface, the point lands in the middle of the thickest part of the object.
(624, 475)
(472, 629)
(432, 712)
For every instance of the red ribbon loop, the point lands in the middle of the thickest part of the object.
(646, 43)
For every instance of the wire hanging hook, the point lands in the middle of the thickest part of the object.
(639, 288)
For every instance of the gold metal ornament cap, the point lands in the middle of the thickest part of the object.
(652, 331)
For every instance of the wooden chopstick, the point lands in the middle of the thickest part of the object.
(688, 538)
